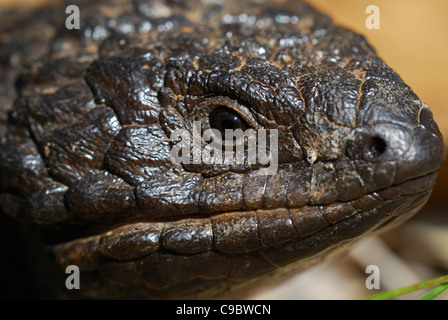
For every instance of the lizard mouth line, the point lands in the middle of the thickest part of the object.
(247, 231)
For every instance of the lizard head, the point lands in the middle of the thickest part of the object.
(352, 149)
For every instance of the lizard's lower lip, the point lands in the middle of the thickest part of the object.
(264, 238)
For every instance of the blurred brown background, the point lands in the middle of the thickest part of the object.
(413, 40)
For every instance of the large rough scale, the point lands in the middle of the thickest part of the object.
(88, 120)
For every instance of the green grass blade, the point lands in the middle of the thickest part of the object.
(434, 292)
(398, 292)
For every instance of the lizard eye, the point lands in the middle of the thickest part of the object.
(222, 118)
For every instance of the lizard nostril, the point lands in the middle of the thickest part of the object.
(375, 147)
(379, 142)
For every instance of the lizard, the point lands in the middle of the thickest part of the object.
(87, 115)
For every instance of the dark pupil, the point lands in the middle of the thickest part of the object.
(222, 118)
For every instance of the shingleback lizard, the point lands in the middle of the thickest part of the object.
(87, 115)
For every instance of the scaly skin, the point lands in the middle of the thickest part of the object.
(87, 117)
